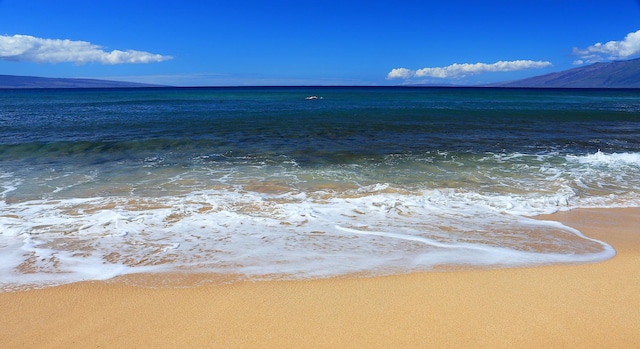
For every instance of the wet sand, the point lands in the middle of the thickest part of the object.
(587, 306)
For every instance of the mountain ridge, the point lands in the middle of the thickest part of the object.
(22, 82)
(614, 74)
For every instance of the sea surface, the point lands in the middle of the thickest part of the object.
(261, 183)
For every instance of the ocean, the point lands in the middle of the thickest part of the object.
(262, 183)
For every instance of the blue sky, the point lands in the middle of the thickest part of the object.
(283, 42)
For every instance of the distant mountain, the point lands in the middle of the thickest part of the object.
(616, 74)
(13, 81)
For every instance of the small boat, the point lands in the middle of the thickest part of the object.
(311, 97)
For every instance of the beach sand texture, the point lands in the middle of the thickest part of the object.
(564, 306)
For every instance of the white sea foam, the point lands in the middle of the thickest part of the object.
(287, 225)
(600, 158)
(246, 233)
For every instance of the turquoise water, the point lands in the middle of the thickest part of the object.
(263, 183)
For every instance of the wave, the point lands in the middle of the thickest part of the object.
(263, 231)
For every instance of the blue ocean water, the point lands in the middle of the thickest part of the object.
(263, 183)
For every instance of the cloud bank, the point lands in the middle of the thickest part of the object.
(26, 48)
(459, 70)
(611, 50)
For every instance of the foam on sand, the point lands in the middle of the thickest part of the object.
(587, 306)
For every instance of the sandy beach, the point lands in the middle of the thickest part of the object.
(561, 306)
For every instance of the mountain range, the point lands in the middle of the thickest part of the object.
(615, 74)
(14, 81)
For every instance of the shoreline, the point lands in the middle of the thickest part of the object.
(578, 305)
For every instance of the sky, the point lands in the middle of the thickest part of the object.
(332, 42)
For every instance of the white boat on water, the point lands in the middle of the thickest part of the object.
(312, 97)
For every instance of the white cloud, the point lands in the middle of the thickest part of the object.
(31, 49)
(458, 70)
(629, 46)
(400, 73)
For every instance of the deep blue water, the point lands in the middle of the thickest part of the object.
(357, 120)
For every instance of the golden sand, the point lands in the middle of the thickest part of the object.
(569, 306)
